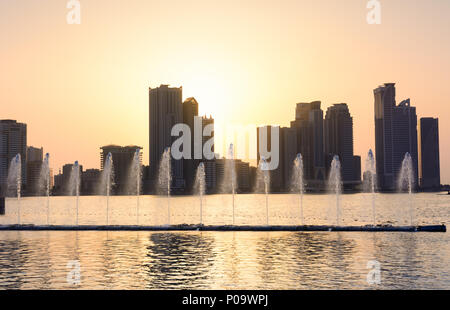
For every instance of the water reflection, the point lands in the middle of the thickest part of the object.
(223, 260)
(180, 260)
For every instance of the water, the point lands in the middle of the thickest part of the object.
(165, 178)
(371, 181)
(107, 181)
(74, 186)
(134, 180)
(263, 183)
(200, 187)
(44, 182)
(226, 260)
(297, 183)
(15, 181)
(229, 181)
(335, 183)
(15, 177)
(406, 182)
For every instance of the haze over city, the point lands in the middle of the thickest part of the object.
(79, 87)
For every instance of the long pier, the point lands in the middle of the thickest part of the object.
(186, 227)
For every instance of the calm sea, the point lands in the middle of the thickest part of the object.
(226, 260)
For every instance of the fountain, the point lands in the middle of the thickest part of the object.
(44, 183)
(200, 187)
(406, 181)
(165, 178)
(15, 181)
(263, 183)
(297, 183)
(229, 182)
(107, 181)
(74, 185)
(134, 180)
(370, 181)
(335, 183)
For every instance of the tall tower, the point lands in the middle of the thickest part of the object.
(430, 175)
(165, 111)
(405, 138)
(338, 127)
(190, 111)
(384, 105)
(395, 135)
(309, 125)
(13, 141)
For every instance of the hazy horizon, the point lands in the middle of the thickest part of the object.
(79, 87)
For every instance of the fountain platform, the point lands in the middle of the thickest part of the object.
(186, 227)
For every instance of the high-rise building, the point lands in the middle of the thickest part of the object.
(122, 158)
(190, 111)
(430, 174)
(34, 165)
(13, 141)
(165, 111)
(384, 105)
(338, 136)
(395, 135)
(405, 138)
(309, 125)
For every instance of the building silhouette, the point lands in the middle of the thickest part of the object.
(395, 135)
(338, 136)
(13, 141)
(90, 179)
(309, 125)
(190, 111)
(430, 175)
(405, 138)
(35, 157)
(122, 158)
(165, 111)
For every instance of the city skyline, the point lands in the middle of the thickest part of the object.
(302, 110)
(235, 73)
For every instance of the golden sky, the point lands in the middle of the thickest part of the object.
(79, 87)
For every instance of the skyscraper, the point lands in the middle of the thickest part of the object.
(405, 137)
(395, 135)
(190, 111)
(384, 104)
(13, 141)
(165, 111)
(338, 135)
(309, 125)
(430, 175)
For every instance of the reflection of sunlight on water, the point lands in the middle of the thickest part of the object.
(217, 209)
(222, 260)
(225, 260)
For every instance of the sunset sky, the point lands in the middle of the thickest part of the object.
(79, 87)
